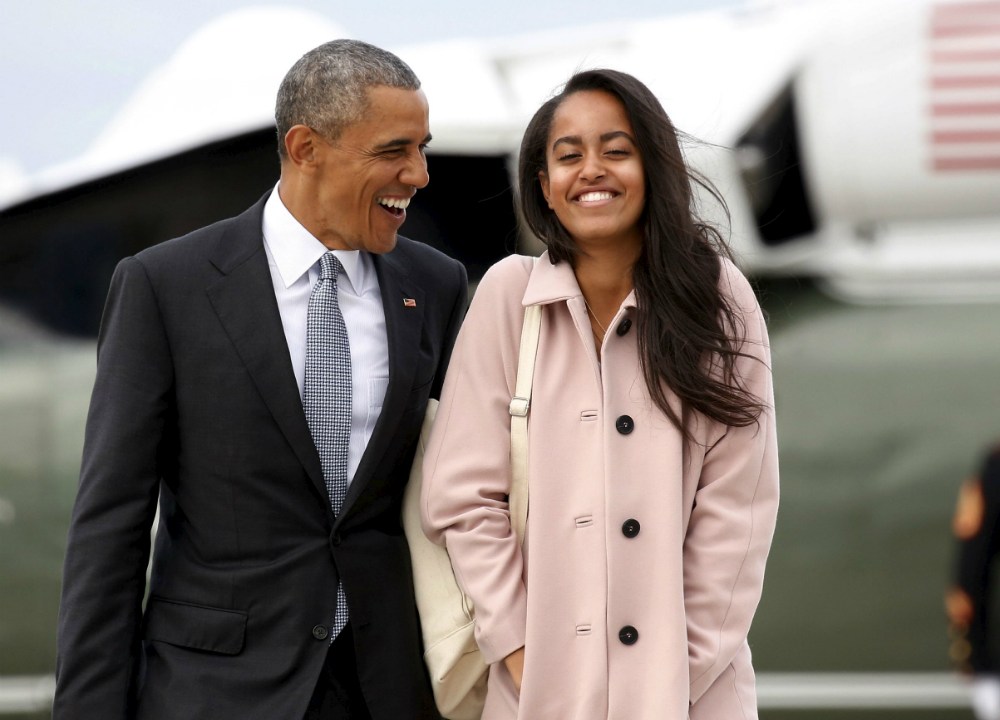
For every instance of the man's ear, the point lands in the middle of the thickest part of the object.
(301, 146)
(543, 180)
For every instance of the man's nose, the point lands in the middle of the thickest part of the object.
(415, 173)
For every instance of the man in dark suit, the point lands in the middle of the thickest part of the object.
(280, 585)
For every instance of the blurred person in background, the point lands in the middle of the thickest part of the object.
(970, 599)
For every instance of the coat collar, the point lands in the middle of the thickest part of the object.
(403, 302)
(551, 283)
(243, 299)
(241, 239)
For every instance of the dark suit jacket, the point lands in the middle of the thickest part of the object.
(196, 404)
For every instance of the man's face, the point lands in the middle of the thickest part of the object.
(367, 176)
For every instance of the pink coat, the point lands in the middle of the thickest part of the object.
(643, 560)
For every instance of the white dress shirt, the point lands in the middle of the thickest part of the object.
(293, 256)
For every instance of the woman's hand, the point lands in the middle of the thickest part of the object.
(515, 666)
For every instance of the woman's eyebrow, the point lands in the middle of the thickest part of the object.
(605, 137)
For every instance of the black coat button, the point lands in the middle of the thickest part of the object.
(623, 327)
(628, 635)
(335, 540)
(320, 632)
(630, 528)
(624, 424)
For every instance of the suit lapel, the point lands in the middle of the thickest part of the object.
(403, 324)
(244, 301)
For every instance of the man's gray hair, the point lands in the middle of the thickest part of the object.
(327, 89)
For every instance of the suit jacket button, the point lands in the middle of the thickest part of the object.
(628, 635)
(335, 540)
(630, 528)
(623, 327)
(624, 424)
(320, 632)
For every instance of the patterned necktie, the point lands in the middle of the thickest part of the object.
(326, 395)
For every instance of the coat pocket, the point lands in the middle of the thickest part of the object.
(195, 626)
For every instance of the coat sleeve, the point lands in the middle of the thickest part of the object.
(467, 463)
(735, 508)
(109, 537)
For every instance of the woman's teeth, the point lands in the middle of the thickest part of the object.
(595, 196)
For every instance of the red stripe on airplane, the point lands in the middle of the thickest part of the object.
(965, 56)
(946, 164)
(966, 8)
(965, 81)
(957, 109)
(966, 136)
(943, 31)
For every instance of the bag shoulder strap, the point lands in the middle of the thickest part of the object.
(519, 405)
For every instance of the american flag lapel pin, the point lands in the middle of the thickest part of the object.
(409, 302)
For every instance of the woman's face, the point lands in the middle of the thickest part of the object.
(594, 180)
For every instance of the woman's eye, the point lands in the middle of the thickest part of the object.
(569, 156)
(618, 152)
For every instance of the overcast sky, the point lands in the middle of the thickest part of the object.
(66, 66)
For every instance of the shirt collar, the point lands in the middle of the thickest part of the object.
(295, 250)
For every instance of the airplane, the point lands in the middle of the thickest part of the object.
(857, 145)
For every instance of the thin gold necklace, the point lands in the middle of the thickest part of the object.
(604, 330)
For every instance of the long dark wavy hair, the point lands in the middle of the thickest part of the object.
(689, 335)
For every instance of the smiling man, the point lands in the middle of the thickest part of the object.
(265, 380)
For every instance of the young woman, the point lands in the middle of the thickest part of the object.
(653, 475)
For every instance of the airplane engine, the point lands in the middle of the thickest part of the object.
(876, 167)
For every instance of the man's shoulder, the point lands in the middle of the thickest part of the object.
(191, 242)
(203, 240)
(420, 258)
(407, 247)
